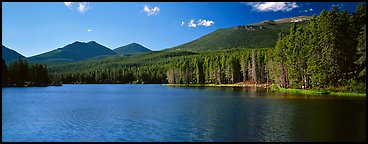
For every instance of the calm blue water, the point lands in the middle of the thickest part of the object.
(163, 113)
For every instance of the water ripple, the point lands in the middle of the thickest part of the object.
(158, 113)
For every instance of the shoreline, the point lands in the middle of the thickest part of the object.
(219, 85)
(318, 92)
(42, 85)
(266, 86)
(284, 90)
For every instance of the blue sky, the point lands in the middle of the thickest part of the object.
(35, 28)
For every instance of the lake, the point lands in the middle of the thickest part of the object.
(124, 112)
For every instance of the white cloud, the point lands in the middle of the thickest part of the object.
(272, 6)
(192, 24)
(151, 11)
(89, 30)
(83, 7)
(200, 22)
(206, 23)
(338, 5)
(306, 10)
(68, 4)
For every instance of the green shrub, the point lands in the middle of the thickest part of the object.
(358, 87)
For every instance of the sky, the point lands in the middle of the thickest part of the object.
(32, 28)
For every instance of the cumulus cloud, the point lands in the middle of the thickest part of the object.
(191, 23)
(82, 6)
(68, 4)
(89, 30)
(151, 11)
(272, 6)
(206, 23)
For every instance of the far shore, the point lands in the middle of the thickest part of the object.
(267, 86)
(220, 85)
(285, 90)
(32, 85)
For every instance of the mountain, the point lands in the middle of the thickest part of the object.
(76, 51)
(131, 49)
(259, 35)
(9, 54)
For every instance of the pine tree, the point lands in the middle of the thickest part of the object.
(4, 73)
(361, 51)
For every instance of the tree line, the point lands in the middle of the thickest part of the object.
(143, 68)
(221, 68)
(20, 73)
(121, 75)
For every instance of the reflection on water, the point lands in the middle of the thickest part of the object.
(162, 113)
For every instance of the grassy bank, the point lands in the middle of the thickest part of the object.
(318, 92)
(296, 91)
(218, 85)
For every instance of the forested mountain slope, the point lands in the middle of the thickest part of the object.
(259, 35)
(76, 51)
(131, 49)
(9, 54)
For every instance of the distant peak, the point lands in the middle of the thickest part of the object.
(134, 44)
(76, 42)
(90, 42)
(132, 48)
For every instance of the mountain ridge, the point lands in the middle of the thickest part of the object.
(131, 49)
(75, 51)
(263, 34)
(10, 54)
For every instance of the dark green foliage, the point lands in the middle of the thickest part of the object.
(4, 73)
(117, 69)
(131, 49)
(219, 67)
(361, 50)
(21, 74)
(322, 54)
(199, 76)
(76, 51)
(356, 86)
(38, 74)
(8, 54)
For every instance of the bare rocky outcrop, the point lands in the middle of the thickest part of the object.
(260, 25)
